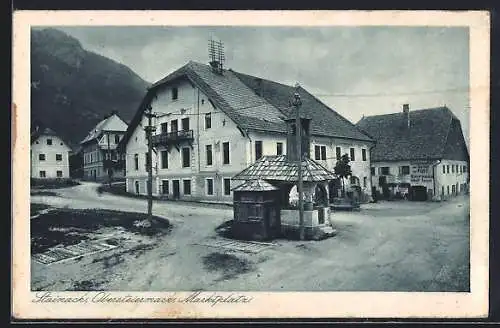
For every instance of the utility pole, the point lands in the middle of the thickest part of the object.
(149, 162)
(298, 128)
(109, 162)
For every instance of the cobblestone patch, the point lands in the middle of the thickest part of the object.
(236, 245)
(59, 254)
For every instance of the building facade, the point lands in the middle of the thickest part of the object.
(49, 155)
(210, 125)
(100, 155)
(420, 155)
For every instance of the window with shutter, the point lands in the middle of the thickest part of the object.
(258, 149)
(208, 121)
(186, 157)
(279, 148)
(225, 151)
(210, 187)
(187, 187)
(317, 154)
(164, 159)
(209, 155)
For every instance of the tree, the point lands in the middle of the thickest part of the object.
(343, 170)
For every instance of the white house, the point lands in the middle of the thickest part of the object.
(211, 123)
(421, 153)
(99, 148)
(49, 155)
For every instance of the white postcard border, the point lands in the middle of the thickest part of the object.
(262, 304)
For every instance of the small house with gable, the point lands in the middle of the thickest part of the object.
(101, 157)
(420, 154)
(49, 155)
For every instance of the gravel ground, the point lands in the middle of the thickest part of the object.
(387, 246)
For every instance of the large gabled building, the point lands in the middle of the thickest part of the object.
(212, 123)
(99, 149)
(421, 153)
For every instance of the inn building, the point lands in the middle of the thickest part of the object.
(211, 123)
(419, 154)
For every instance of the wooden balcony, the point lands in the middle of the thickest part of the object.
(173, 138)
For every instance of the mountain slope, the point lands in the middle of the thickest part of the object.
(73, 89)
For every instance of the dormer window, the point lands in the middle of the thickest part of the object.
(49, 142)
(175, 93)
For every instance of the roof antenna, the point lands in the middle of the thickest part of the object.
(216, 55)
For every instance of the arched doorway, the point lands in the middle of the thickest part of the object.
(293, 197)
(137, 187)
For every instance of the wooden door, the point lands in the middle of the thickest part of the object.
(176, 188)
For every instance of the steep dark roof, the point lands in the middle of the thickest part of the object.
(234, 94)
(101, 126)
(255, 185)
(425, 139)
(42, 132)
(325, 121)
(277, 168)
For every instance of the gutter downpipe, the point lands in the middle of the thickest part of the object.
(249, 159)
(370, 165)
(198, 128)
(436, 163)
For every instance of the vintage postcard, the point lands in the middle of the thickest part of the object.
(250, 164)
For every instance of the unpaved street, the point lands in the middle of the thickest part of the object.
(388, 246)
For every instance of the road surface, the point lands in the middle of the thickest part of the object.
(388, 246)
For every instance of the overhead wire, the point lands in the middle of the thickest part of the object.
(457, 90)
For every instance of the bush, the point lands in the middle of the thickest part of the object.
(116, 188)
(53, 183)
(120, 190)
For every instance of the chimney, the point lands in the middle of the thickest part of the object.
(406, 112)
(259, 90)
(216, 67)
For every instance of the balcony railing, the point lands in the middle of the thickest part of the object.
(171, 138)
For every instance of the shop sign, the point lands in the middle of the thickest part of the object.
(421, 173)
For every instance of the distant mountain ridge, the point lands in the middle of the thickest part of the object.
(72, 89)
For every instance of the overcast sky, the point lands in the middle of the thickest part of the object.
(355, 70)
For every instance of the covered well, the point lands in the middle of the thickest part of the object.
(256, 210)
(280, 175)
